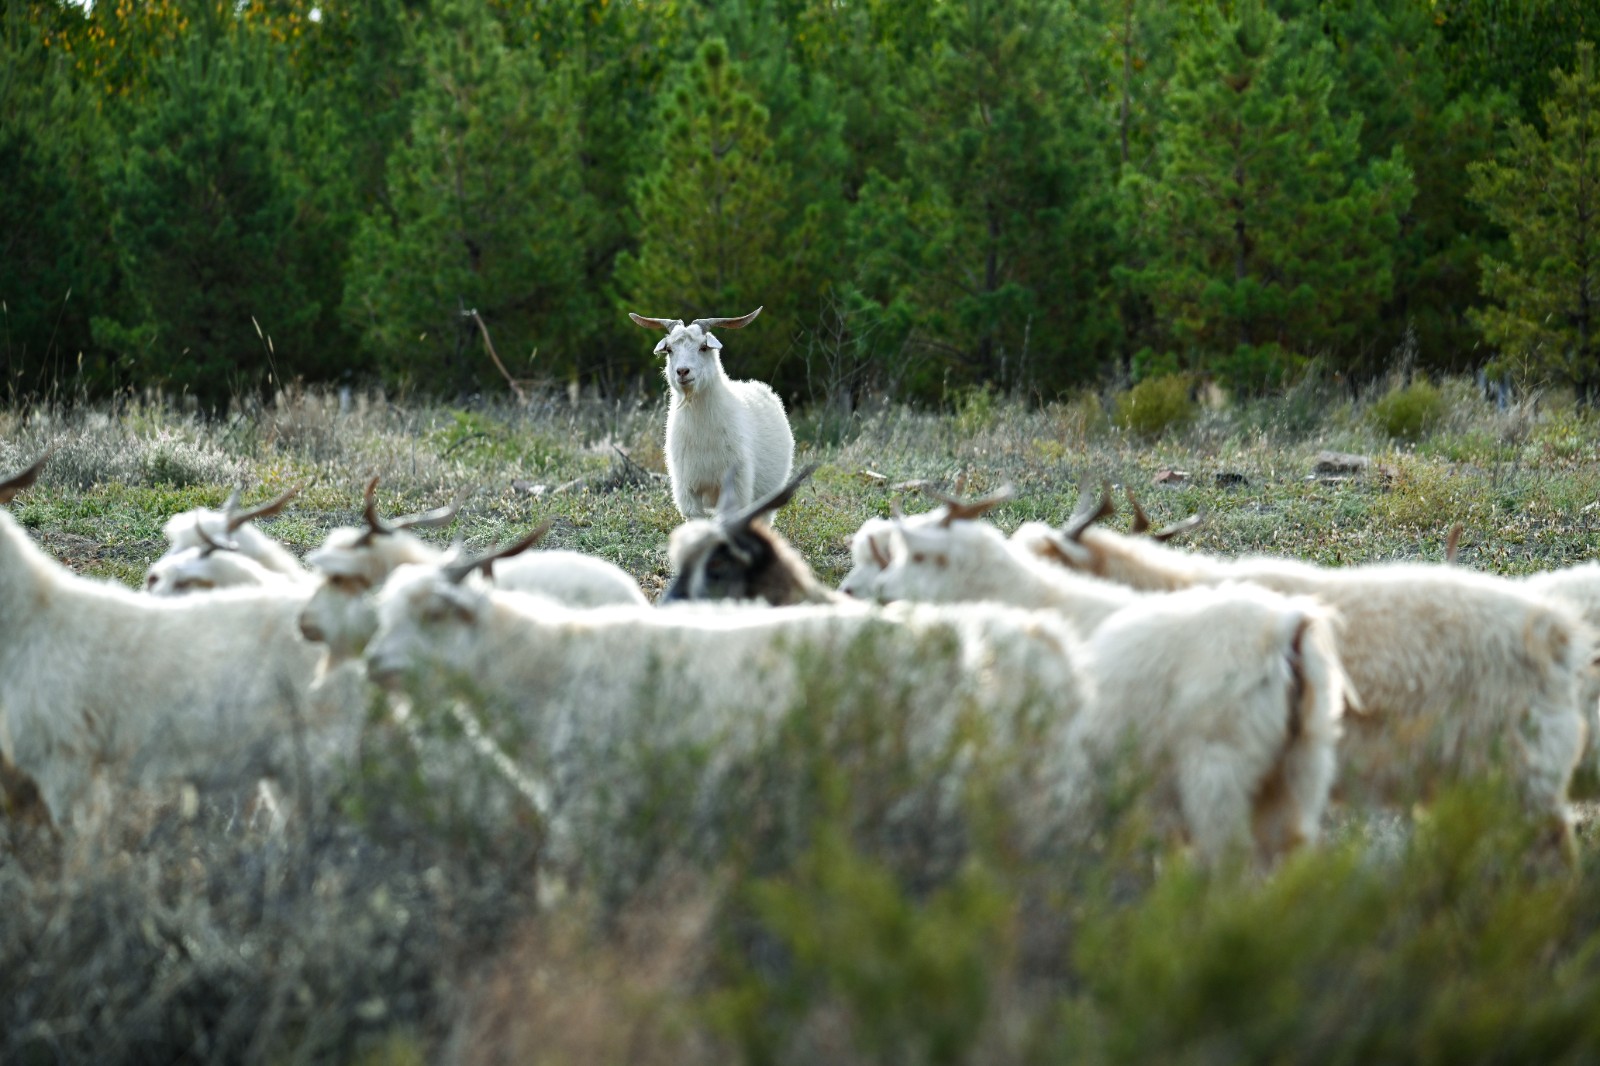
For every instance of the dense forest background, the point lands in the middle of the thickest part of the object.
(1033, 195)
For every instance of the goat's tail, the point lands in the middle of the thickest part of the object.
(1289, 807)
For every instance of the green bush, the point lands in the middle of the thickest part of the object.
(1406, 413)
(1154, 405)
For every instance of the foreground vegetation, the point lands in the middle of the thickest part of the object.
(402, 923)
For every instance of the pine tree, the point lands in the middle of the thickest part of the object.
(1545, 190)
(1260, 241)
(486, 212)
(219, 226)
(54, 262)
(993, 243)
(712, 211)
(1396, 74)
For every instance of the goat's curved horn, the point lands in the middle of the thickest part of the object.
(263, 510)
(375, 522)
(663, 324)
(966, 510)
(24, 479)
(725, 504)
(777, 499)
(438, 516)
(895, 510)
(1141, 521)
(727, 323)
(1082, 519)
(1168, 532)
(1452, 543)
(209, 544)
(457, 572)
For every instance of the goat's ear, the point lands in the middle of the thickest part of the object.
(663, 324)
(25, 479)
(710, 341)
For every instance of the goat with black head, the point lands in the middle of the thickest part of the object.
(737, 555)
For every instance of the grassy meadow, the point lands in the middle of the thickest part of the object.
(400, 926)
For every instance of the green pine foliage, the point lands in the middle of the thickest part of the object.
(1036, 196)
(1267, 236)
(1545, 190)
(713, 213)
(486, 212)
(225, 205)
(994, 242)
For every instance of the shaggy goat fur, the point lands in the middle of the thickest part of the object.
(101, 686)
(1459, 673)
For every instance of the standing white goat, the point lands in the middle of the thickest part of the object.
(715, 424)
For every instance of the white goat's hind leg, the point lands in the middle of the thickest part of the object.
(1552, 742)
(1215, 800)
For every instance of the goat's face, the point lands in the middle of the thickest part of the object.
(340, 612)
(714, 563)
(869, 551)
(197, 570)
(924, 561)
(427, 625)
(182, 534)
(693, 356)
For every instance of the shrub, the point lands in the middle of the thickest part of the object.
(1406, 413)
(1155, 405)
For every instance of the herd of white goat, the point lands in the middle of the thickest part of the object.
(1240, 695)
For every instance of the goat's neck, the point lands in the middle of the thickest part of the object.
(26, 572)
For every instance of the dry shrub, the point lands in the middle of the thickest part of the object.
(571, 990)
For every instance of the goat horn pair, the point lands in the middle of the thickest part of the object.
(17, 482)
(457, 572)
(766, 506)
(1142, 523)
(966, 510)
(237, 518)
(439, 516)
(666, 324)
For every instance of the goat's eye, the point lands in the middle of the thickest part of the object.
(919, 557)
(705, 347)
